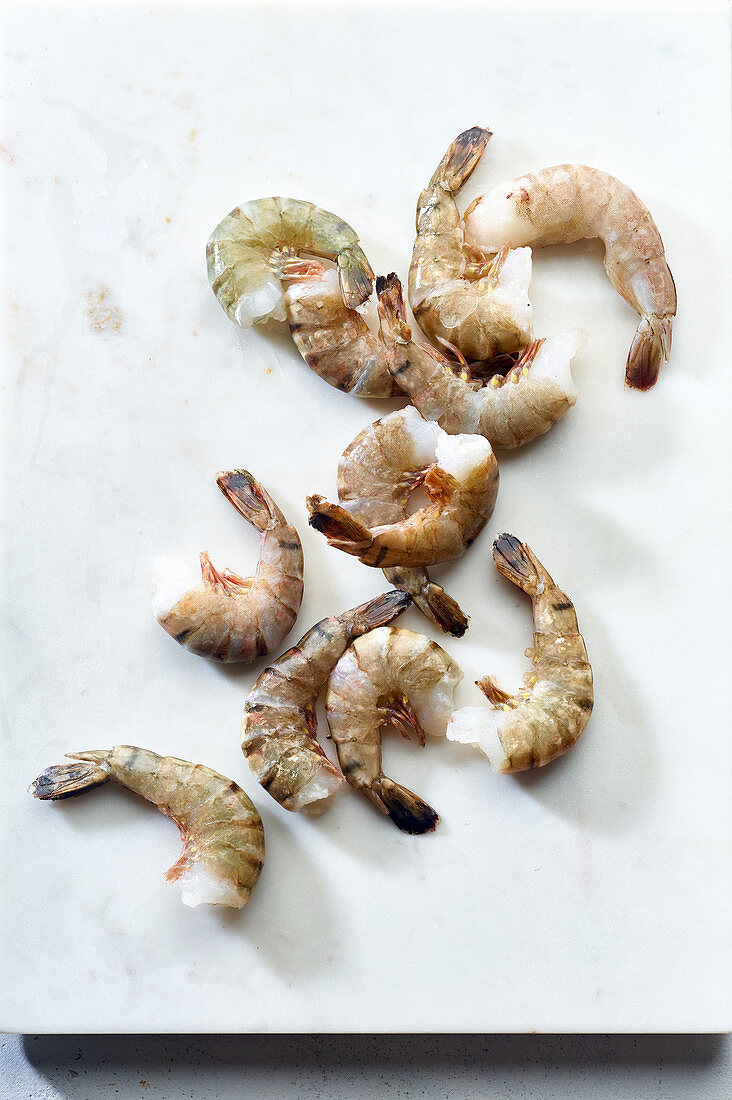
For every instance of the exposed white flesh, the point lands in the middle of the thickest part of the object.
(267, 303)
(494, 221)
(478, 726)
(553, 361)
(317, 795)
(198, 885)
(512, 289)
(171, 579)
(459, 455)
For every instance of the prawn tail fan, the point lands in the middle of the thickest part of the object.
(355, 276)
(249, 498)
(442, 610)
(408, 812)
(339, 526)
(516, 562)
(67, 780)
(380, 611)
(651, 346)
(458, 163)
(392, 310)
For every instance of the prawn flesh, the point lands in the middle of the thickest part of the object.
(222, 833)
(570, 202)
(390, 676)
(225, 616)
(457, 293)
(279, 722)
(544, 720)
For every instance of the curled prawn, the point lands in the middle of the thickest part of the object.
(458, 294)
(389, 677)
(225, 616)
(459, 474)
(245, 250)
(544, 720)
(222, 833)
(261, 268)
(279, 723)
(377, 473)
(508, 409)
(570, 202)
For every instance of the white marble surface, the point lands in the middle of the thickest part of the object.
(589, 897)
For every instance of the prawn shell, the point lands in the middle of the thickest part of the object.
(242, 252)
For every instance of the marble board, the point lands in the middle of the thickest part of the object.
(592, 895)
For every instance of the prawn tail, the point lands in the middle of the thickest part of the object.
(66, 780)
(249, 498)
(432, 600)
(392, 310)
(441, 609)
(408, 812)
(651, 346)
(339, 526)
(355, 276)
(516, 562)
(377, 612)
(458, 163)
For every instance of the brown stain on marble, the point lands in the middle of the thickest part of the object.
(101, 313)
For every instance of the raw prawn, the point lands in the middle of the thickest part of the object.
(377, 473)
(245, 250)
(224, 616)
(279, 722)
(390, 676)
(459, 473)
(457, 294)
(509, 410)
(545, 719)
(570, 202)
(223, 837)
